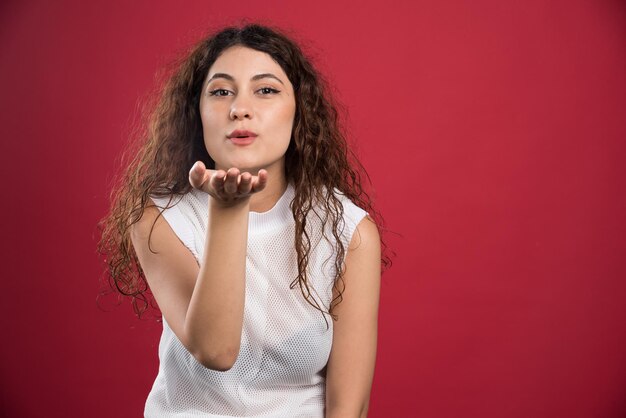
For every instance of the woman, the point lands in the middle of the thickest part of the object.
(249, 225)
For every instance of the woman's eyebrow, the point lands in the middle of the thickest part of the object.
(220, 75)
(255, 78)
(267, 75)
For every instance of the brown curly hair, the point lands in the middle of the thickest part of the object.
(317, 162)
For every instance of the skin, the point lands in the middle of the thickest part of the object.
(231, 99)
(204, 306)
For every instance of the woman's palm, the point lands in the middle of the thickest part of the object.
(226, 186)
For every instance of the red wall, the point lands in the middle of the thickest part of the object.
(494, 133)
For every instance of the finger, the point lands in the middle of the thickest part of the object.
(217, 182)
(245, 183)
(196, 175)
(230, 184)
(261, 181)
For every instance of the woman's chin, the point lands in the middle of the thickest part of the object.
(250, 165)
(241, 165)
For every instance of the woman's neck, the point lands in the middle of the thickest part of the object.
(267, 198)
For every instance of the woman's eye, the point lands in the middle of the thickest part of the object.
(268, 90)
(219, 92)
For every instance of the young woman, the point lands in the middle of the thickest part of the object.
(243, 213)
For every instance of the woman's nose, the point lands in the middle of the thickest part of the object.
(240, 109)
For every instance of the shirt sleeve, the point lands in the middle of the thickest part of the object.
(352, 216)
(177, 221)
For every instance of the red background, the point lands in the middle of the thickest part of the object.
(494, 133)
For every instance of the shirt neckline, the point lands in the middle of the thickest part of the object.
(276, 216)
(261, 222)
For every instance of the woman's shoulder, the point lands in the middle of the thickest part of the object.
(189, 208)
(186, 214)
(351, 215)
(351, 210)
(164, 199)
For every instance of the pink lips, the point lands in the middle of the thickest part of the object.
(241, 137)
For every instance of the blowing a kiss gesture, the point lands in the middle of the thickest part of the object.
(222, 267)
(227, 187)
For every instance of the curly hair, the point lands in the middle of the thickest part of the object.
(318, 160)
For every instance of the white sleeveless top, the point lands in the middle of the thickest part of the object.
(285, 343)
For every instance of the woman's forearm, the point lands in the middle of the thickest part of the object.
(214, 318)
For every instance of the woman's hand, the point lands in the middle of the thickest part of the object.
(228, 187)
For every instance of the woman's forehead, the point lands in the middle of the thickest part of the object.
(243, 63)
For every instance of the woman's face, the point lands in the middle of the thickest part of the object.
(247, 107)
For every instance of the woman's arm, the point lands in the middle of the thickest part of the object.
(203, 304)
(350, 367)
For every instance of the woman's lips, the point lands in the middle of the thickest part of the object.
(246, 140)
(242, 136)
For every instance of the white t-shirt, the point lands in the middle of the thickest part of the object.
(285, 342)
